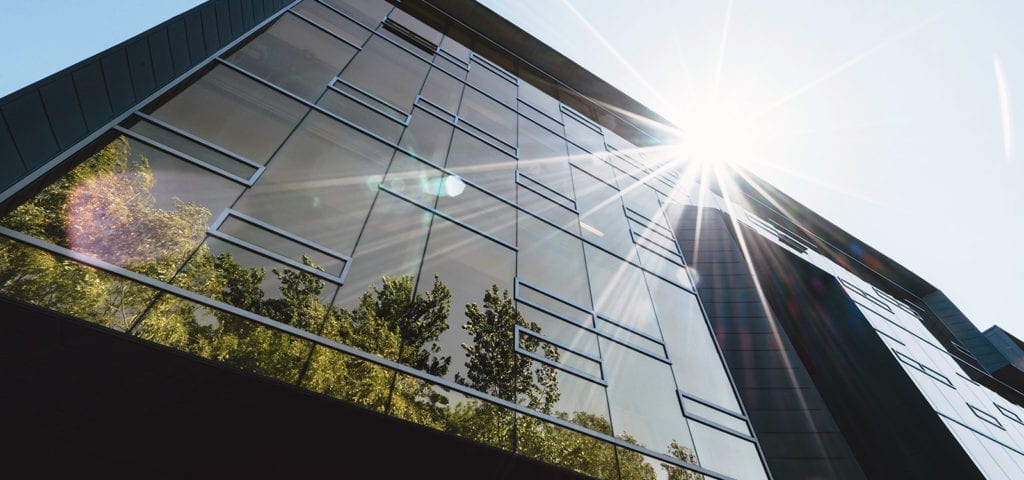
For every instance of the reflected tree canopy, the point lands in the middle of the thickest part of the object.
(105, 208)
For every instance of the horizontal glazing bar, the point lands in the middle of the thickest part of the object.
(326, 30)
(248, 182)
(450, 218)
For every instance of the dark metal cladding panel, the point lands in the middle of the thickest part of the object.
(64, 112)
(210, 33)
(92, 95)
(237, 20)
(248, 15)
(119, 80)
(965, 332)
(31, 130)
(160, 53)
(223, 21)
(141, 67)
(11, 168)
(177, 37)
(194, 29)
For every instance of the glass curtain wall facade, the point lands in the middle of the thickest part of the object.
(352, 201)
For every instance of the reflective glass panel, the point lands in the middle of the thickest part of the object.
(471, 266)
(235, 112)
(337, 24)
(367, 12)
(485, 165)
(362, 115)
(542, 155)
(388, 72)
(602, 219)
(726, 454)
(130, 205)
(695, 360)
(645, 408)
(488, 115)
(427, 137)
(550, 443)
(620, 292)
(391, 245)
(321, 183)
(193, 149)
(541, 248)
(296, 56)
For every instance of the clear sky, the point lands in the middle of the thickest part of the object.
(895, 120)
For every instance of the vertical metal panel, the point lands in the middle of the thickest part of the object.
(210, 37)
(118, 79)
(31, 129)
(237, 20)
(160, 54)
(92, 95)
(223, 21)
(248, 16)
(64, 111)
(141, 67)
(194, 29)
(177, 38)
(11, 167)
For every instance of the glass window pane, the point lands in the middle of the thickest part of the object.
(414, 179)
(563, 356)
(695, 361)
(470, 265)
(555, 392)
(561, 331)
(583, 135)
(726, 454)
(557, 445)
(577, 314)
(348, 378)
(539, 100)
(483, 164)
(193, 149)
(620, 292)
(331, 20)
(388, 72)
(391, 245)
(659, 263)
(644, 405)
(296, 56)
(361, 115)
(631, 338)
(367, 12)
(488, 115)
(415, 26)
(705, 412)
(601, 216)
(455, 48)
(286, 246)
(547, 205)
(229, 273)
(236, 341)
(497, 86)
(427, 137)
(44, 279)
(235, 112)
(130, 205)
(542, 246)
(443, 90)
(320, 185)
(477, 209)
(542, 156)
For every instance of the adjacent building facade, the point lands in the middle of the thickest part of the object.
(227, 224)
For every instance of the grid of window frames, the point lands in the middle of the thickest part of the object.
(351, 201)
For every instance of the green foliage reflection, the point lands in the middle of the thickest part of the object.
(105, 208)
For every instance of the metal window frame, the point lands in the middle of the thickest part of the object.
(333, 85)
(520, 175)
(986, 417)
(920, 367)
(245, 182)
(711, 423)
(520, 331)
(214, 231)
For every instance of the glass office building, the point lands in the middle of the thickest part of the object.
(390, 212)
(421, 211)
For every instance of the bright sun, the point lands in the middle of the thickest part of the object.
(717, 134)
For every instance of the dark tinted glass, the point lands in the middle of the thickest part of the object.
(483, 164)
(194, 149)
(320, 185)
(427, 137)
(367, 12)
(388, 72)
(492, 117)
(331, 20)
(295, 55)
(235, 112)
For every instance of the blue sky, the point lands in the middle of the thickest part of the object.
(895, 120)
